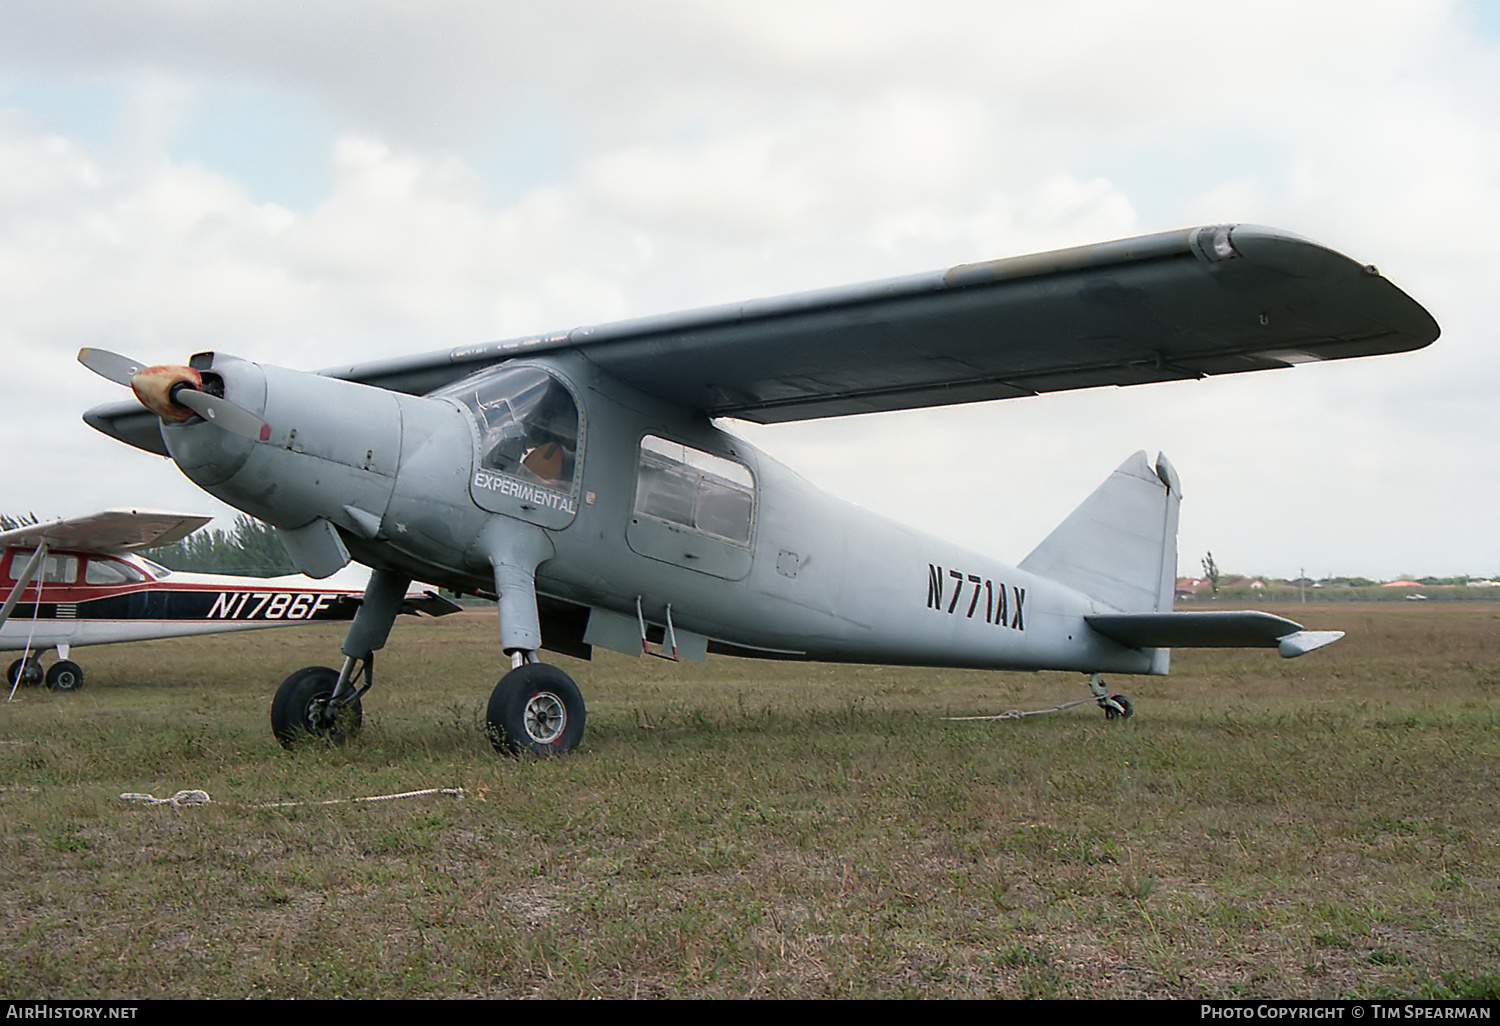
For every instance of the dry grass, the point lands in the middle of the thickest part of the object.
(1321, 827)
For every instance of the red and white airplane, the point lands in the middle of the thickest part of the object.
(80, 582)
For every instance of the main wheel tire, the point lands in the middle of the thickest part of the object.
(536, 708)
(26, 672)
(298, 713)
(65, 675)
(1124, 712)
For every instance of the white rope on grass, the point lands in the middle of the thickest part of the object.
(457, 792)
(182, 798)
(1018, 714)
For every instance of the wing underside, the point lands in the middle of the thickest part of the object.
(109, 531)
(1183, 304)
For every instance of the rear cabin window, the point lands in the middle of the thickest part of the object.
(56, 568)
(694, 489)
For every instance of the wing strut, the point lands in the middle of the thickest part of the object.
(27, 573)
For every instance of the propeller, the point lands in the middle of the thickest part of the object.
(175, 393)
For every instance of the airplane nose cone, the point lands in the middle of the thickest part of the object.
(154, 387)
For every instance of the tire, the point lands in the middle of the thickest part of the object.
(65, 675)
(536, 709)
(26, 672)
(1123, 713)
(297, 710)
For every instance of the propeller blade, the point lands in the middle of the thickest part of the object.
(166, 390)
(235, 419)
(117, 368)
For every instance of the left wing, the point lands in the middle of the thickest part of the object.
(1186, 304)
(110, 531)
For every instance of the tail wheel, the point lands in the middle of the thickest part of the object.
(301, 713)
(536, 708)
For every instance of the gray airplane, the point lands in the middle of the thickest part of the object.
(581, 480)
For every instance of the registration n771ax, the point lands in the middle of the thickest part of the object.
(582, 479)
(81, 581)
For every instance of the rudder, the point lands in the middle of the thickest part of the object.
(1120, 546)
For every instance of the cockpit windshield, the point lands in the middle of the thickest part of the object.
(528, 423)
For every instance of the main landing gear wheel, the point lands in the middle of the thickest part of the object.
(300, 711)
(26, 672)
(536, 708)
(1116, 707)
(65, 675)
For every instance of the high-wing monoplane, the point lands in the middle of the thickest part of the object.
(81, 581)
(582, 480)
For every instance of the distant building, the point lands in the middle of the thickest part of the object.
(1189, 588)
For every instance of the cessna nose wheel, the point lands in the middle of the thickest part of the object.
(25, 672)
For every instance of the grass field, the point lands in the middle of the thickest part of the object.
(1321, 827)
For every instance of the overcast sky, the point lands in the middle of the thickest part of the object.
(313, 182)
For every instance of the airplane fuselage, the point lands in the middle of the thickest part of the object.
(748, 555)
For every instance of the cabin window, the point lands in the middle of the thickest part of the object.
(56, 568)
(528, 443)
(528, 423)
(694, 489)
(111, 571)
(155, 570)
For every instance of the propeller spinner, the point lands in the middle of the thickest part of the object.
(175, 393)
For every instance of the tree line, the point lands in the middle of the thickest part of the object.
(250, 547)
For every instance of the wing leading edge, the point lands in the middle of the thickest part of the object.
(1185, 304)
(109, 531)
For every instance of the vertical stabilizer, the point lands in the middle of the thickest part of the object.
(1120, 546)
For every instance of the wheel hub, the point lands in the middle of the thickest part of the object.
(319, 721)
(545, 717)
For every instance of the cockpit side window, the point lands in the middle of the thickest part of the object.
(100, 570)
(527, 450)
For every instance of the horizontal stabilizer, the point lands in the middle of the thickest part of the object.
(431, 603)
(1213, 629)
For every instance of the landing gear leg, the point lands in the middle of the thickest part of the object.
(324, 704)
(535, 708)
(1116, 707)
